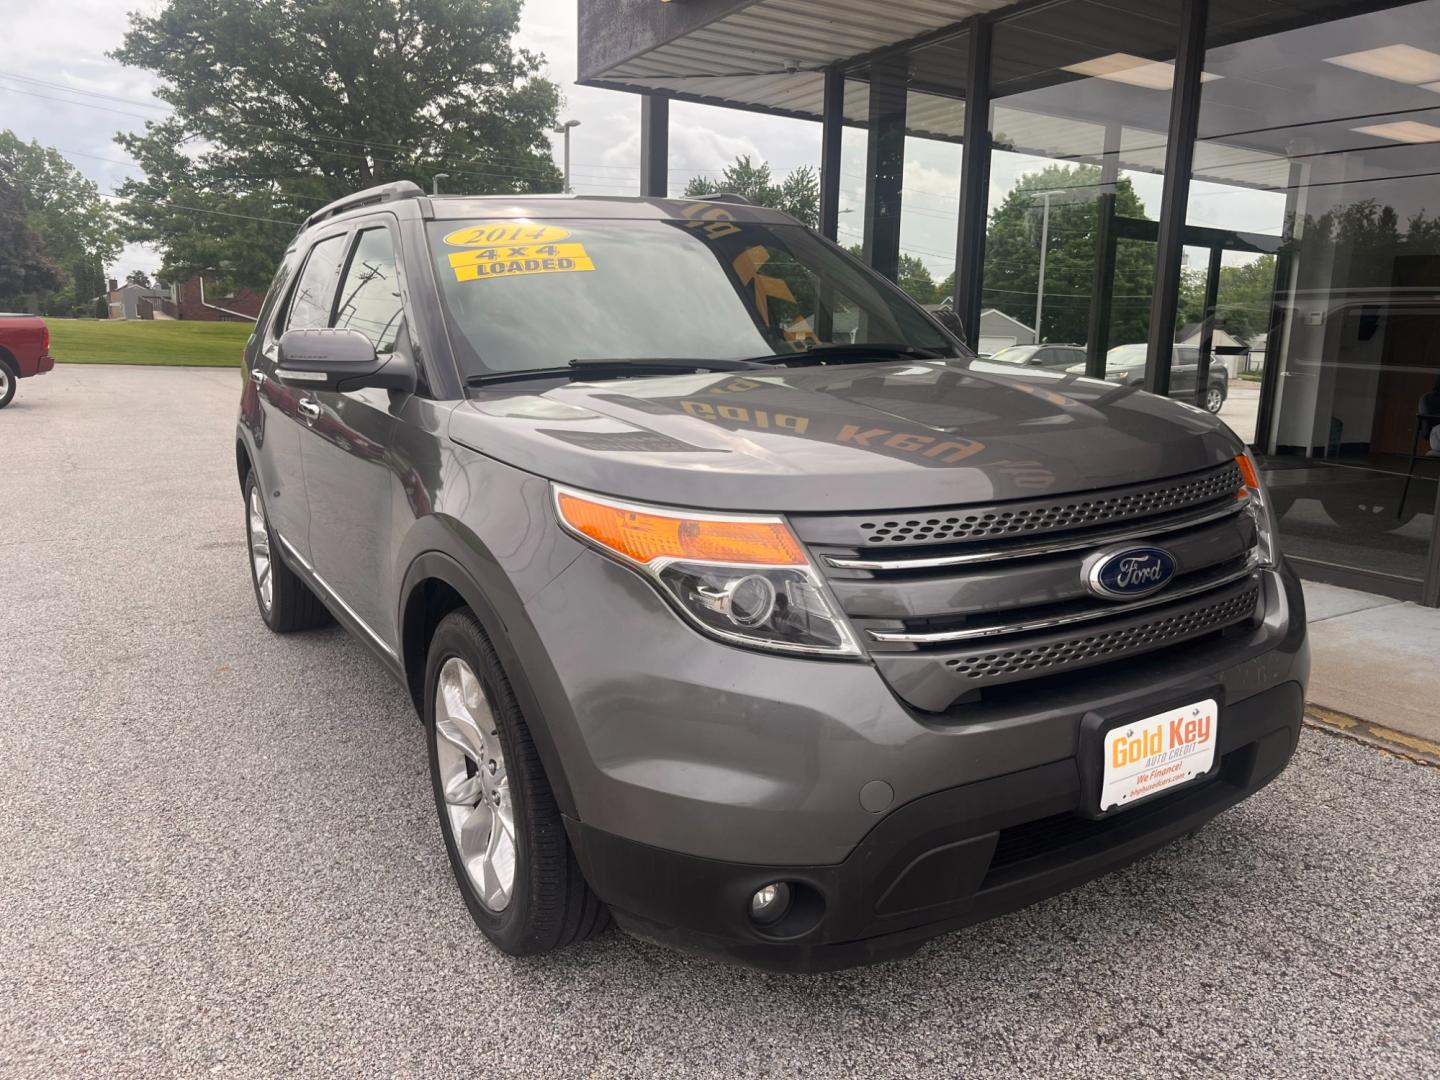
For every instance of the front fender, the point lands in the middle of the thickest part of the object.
(516, 550)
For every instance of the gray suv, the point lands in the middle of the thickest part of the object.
(737, 602)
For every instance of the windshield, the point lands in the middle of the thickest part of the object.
(1126, 356)
(529, 294)
(1016, 354)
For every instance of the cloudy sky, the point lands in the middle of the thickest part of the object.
(61, 89)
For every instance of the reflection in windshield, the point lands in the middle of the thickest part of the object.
(1016, 354)
(523, 295)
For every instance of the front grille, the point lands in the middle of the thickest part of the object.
(1086, 649)
(1051, 516)
(998, 595)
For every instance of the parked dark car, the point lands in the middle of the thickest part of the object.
(24, 352)
(1125, 364)
(794, 651)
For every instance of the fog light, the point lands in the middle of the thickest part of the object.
(770, 904)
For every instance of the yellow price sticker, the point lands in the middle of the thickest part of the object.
(506, 232)
(519, 260)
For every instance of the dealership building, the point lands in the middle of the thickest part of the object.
(1256, 177)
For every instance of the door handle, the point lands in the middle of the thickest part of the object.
(257, 376)
(309, 408)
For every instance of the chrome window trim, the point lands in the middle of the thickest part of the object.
(1022, 551)
(943, 636)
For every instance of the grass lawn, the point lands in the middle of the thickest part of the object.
(171, 344)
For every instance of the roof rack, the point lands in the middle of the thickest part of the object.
(722, 196)
(400, 189)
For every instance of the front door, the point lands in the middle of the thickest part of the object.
(282, 420)
(349, 472)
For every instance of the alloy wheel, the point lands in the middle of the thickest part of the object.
(475, 783)
(260, 551)
(4, 381)
(1214, 399)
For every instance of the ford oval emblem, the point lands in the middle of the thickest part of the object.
(1128, 573)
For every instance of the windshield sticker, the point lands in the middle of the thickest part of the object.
(519, 260)
(506, 232)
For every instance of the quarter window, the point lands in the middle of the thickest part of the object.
(370, 294)
(314, 292)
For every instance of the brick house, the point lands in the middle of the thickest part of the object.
(193, 302)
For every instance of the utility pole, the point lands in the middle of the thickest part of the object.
(564, 129)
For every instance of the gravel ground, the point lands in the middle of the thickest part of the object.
(218, 854)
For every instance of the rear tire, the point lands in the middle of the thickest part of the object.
(498, 817)
(286, 603)
(1214, 398)
(9, 377)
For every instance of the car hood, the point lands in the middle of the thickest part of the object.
(853, 437)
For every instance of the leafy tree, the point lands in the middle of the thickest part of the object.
(914, 277)
(1012, 256)
(798, 194)
(138, 277)
(282, 105)
(74, 226)
(24, 266)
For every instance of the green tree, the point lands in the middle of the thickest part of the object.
(281, 105)
(798, 194)
(138, 277)
(75, 227)
(914, 277)
(25, 269)
(1012, 256)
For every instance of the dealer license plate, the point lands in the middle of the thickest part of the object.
(1158, 753)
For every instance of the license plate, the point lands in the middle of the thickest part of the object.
(1146, 757)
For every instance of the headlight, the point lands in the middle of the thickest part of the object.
(740, 578)
(1266, 550)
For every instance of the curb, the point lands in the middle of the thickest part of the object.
(1410, 747)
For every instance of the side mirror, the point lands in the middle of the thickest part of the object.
(947, 318)
(340, 360)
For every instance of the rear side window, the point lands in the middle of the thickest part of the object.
(370, 291)
(314, 292)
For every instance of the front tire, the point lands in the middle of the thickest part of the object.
(1214, 399)
(501, 826)
(285, 602)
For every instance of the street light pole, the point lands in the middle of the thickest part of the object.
(564, 129)
(435, 182)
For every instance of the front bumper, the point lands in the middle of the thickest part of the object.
(938, 863)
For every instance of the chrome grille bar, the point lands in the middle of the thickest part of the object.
(941, 637)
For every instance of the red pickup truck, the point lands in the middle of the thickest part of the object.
(24, 351)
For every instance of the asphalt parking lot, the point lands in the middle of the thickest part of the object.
(218, 854)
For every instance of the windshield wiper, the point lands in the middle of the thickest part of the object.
(848, 353)
(617, 367)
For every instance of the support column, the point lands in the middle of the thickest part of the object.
(974, 182)
(832, 129)
(655, 144)
(1097, 343)
(1207, 325)
(885, 165)
(1179, 158)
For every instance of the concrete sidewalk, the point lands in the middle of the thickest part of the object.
(1377, 661)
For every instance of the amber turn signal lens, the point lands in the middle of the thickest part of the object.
(643, 536)
(1248, 472)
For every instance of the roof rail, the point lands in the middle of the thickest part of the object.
(400, 189)
(722, 196)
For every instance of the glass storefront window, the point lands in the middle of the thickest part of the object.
(1079, 113)
(1317, 169)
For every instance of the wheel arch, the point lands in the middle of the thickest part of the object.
(243, 462)
(437, 584)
